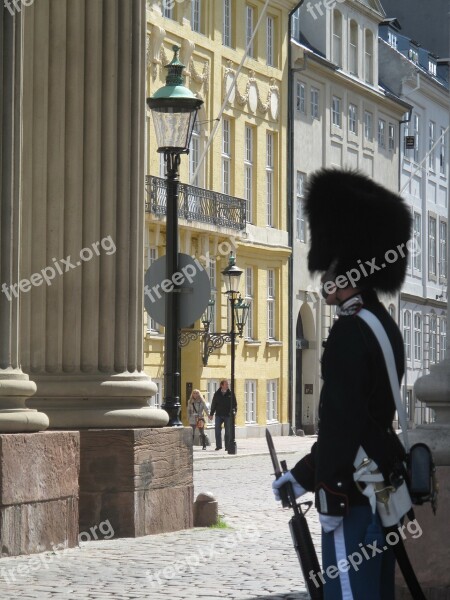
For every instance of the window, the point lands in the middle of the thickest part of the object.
(226, 156)
(314, 103)
(432, 67)
(336, 111)
(433, 338)
(432, 246)
(442, 153)
(194, 155)
(249, 288)
(391, 310)
(300, 212)
(443, 337)
(413, 55)
(296, 25)
(270, 41)
(155, 401)
(407, 333)
(301, 91)
(353, 119)
(392, 39)
(391, 137)
(353, 49)
(162, 165)
(211, 386)
(152, 255)
(443, 249)
(337, 38)
(417, 238)
(416, 135)
(226, 32)
(381, 133)
(271, 304)
(431, 141)
(196, 15)
(168, 10)
(272, 400)
(368, 58)
(269, 179)
(212, 269)
(248, 172)
(250, 400)
(250, 13)
(418, 336)
(368, 126)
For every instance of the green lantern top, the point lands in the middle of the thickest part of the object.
(174, 87)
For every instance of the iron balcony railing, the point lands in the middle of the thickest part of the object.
(196, 204)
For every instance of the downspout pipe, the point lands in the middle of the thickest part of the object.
(290, 220)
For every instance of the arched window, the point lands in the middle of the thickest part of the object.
(433, 338)
(391, 310)
(353, 49)
(407, 333)
(337, 38)
(417, 336)
(368, 57)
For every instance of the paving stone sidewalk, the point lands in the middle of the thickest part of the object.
(251, 559)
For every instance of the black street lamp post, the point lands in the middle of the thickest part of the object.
(239, 312)
(214, 340)
(174, 109)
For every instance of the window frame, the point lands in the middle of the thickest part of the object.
(336, 112)
(353, 118)
(314, 105)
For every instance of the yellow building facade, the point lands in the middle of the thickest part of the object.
(232, 193)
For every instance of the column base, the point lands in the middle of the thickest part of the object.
(15, 417)
(80, 401)
(140, 480)
(38, 492)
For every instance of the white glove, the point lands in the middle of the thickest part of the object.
(285, 478)
(330, 523)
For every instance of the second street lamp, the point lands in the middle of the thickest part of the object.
(174, 109)
(239, 311)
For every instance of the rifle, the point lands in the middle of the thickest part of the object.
(298, 526)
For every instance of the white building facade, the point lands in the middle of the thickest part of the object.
(419, 78)
(342, 117)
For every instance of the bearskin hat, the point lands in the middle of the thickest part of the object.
(358, 224)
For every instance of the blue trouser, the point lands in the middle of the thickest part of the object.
(218, 430)
(367, 572)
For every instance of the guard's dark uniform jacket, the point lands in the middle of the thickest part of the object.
(356, 408)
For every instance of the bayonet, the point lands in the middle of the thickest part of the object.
(298, 525)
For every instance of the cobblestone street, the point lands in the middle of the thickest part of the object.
(252, 558)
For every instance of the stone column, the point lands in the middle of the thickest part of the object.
(83, 228)
(15, 386)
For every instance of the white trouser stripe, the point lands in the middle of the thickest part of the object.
(341, 554)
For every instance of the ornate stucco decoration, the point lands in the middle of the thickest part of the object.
(252, 95)
(155, 49)
(187, 49)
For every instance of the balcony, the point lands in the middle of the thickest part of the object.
(196, 204)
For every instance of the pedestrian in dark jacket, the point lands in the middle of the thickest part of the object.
(221, 407)
(359, 234)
